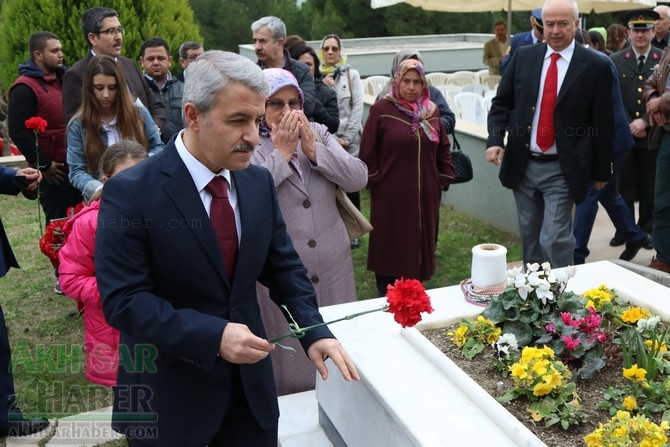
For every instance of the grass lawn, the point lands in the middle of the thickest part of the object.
(47, 340)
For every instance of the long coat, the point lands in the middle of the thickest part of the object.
(318, 235)
(406, 176)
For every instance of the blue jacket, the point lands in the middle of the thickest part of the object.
(518, 41)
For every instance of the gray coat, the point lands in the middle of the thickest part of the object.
(319, 237)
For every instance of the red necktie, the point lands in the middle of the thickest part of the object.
(545, 125)
(223, 220)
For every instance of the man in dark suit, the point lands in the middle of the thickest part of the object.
(535, 35)
(559, 133)
(198, 371)
(12, 422)
(104, 35)
(638, 171)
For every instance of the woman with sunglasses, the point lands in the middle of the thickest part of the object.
(346, 81)
(307, 165)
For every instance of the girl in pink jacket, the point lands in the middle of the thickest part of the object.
(77, 272)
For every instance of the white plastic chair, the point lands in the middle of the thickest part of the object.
(482, 74)
(487, 103)
(471, 107)
(490, 94)
(490, 80)
(437, 78)
(480, 89)
(374, 84)
(463, 77)
(449, 91)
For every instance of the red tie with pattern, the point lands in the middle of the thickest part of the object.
(545, 124)
(223, 220)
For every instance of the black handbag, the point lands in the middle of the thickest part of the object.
(462, 163)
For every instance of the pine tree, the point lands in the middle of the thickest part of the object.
(171, 19)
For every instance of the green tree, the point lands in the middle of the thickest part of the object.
(171, 19)
(226, 24)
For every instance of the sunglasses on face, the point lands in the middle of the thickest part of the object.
(333, 49)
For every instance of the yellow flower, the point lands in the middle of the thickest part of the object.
(633, 314)
(535, 415)
(635, 374)
(594, 439)
(458, 337)
(542, 389)
(540, 368)
(598, 296)
(555, 379)
(494, 336)
(519, 371)
(630, 403)
(654, 344)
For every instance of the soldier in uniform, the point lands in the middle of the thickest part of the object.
(635, 64)
(535, 35)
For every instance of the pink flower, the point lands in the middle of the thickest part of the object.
(550, 327)
(566, 317)
(570, 343)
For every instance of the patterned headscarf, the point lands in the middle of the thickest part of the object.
(341, 65)
(278, 78)
(421, 109)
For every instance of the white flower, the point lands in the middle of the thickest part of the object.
(508, 340)
(522, 287)
(546, 266)
(532, 267)
(648, 324)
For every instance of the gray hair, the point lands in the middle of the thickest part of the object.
(575, 7)
(274, 24)
(213, 71)
(190, 45)
(92, 20)
(663, 10)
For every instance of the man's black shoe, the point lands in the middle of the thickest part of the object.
(20, 426)
(631, 249)
(617, 241)
(649, 243)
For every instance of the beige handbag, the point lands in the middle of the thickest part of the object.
(354, 221)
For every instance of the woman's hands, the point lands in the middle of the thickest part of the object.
(292, 127)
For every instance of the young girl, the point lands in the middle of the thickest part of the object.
(77, 272)
(108, 114)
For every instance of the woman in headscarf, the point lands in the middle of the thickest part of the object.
(406, 149)
(307, 165)
(446, 114)
(346, 81)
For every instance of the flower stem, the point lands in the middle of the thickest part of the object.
(39, 192)
(298, 332)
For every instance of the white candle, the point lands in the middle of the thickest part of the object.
(489, 265)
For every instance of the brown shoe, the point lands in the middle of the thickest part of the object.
(659, 265)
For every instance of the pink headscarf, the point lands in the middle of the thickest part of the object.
(278, 78)
(421, 109)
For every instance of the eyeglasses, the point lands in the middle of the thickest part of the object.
(111, 32)
(278, 104)
(333, 49)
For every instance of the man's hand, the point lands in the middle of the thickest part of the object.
(239, 345)
(656, 115)
(599, 185)
(55, 174)
(638, 127)
(331, 348)
(33, 177)
(494, 154)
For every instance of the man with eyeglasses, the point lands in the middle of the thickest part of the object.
(269, 34)
(156, 60)
(188, 52)
(104, 34)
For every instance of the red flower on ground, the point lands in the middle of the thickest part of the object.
(54, 235)
(407, 298)
(36, 124)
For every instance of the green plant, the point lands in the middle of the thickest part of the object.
(473, 335)
(624, 430)
(546, 384)
(538, 310)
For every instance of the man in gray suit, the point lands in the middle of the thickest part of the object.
(104, 35)
(560, 133)
(496, 48)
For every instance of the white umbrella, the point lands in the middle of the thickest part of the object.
(585, 6)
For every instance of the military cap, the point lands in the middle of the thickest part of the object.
(536, 17)
(641, 18)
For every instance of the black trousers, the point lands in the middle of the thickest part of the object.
(56, 199)
(6, 378)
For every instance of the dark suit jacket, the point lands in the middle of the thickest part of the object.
(632, 81)
(7, 186)
(583, 117)
(163, 284)
(518, 41)
(74, 81)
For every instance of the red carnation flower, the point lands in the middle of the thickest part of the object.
(36, 124)
(407, 299)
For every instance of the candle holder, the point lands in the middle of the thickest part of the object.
(488, 274)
